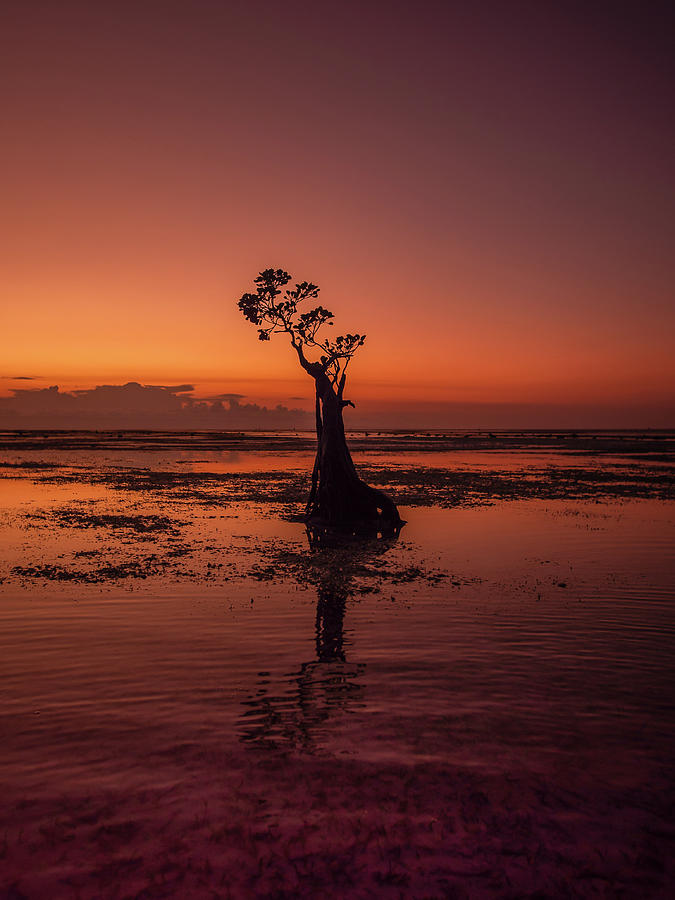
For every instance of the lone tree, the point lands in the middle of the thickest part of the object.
(338, 498)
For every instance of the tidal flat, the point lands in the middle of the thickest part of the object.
(197, 701)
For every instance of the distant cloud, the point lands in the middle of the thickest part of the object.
(173, 408)
(178, 388)
(135, 405)
(170, 389)
(19, 377)
(227, 397)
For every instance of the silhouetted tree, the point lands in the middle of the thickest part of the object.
(338, 497)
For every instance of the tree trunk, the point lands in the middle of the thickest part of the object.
(339, 499)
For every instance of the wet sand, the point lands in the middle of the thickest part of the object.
(196, 703)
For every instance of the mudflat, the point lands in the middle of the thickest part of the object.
(198, 701)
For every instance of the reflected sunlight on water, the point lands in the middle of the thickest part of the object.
(563, 623)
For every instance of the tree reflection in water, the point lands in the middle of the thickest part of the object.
(294, 713)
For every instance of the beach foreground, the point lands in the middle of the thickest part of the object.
(198, 702)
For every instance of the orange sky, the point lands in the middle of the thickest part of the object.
(489, 198)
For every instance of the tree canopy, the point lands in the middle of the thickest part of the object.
(275, 311)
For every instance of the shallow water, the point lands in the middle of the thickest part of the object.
(494, 690)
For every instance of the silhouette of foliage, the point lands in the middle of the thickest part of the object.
(275, 311)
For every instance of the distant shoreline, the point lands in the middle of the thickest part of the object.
(643, 442)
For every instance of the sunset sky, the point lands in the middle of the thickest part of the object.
(486, 190)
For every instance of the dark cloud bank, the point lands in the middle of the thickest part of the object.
(173, 408)
(146, 406)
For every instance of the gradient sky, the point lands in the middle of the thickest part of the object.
(486, 190)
